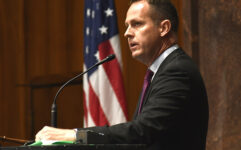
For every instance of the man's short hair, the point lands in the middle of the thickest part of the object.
(165, 9)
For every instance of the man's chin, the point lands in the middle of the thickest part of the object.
(137, 57)
(135, 54)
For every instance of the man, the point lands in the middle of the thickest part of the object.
(172, 113)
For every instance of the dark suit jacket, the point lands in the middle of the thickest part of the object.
(174, 115)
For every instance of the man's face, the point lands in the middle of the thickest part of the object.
(143, 33)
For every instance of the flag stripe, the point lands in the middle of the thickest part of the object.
(108, 100)
(104, 49)
(88, 121)
(115, 44)
(85, 98)
(85, 109)
(96, 111)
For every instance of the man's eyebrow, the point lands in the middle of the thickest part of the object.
(126, 23)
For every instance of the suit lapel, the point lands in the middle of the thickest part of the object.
(159, 71)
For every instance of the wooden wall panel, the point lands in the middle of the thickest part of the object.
(54, 36)
(38, 38)
(212, 35)
(74, 35)
(11, 39)
(21, 75)
(220, 33)
(54, 48)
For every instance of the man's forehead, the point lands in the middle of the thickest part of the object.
(135, 10)
(137, 6)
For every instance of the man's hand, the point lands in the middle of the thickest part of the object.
(50, 133)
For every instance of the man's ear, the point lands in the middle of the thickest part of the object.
(165, 27)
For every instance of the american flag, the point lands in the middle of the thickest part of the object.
(104, 97)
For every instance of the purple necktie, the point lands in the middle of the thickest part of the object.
(147, 81)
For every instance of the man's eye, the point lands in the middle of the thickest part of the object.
(137, 24)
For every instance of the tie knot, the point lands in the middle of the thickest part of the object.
(148, 75)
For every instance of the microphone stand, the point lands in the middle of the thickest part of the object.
(54, 105)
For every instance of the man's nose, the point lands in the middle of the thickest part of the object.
(128, 33)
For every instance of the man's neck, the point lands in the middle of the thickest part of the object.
(168, 41)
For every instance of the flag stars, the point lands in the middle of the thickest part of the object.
(93, 14)
(109, 12)
(103, 29)
(88, 12)
(87, 49)
(87, 31)
(97, 55)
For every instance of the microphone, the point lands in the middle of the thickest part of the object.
(54, 106)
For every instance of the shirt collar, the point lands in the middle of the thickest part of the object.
(156, 64)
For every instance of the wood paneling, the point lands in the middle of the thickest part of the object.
(220, 33)
(10, 48)
(38, 39)
(54, 48)
(54, 36)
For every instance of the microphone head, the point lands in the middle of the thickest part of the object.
(110, 57)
